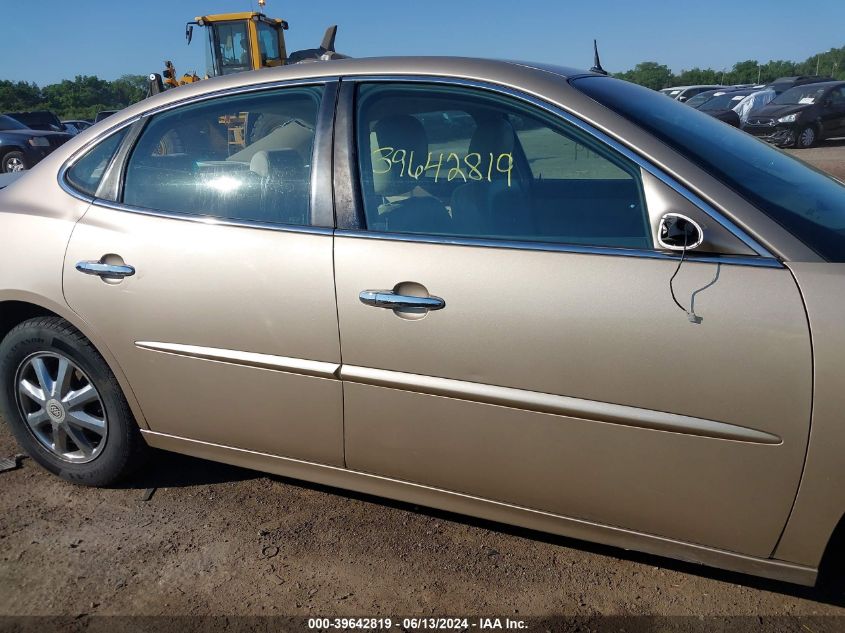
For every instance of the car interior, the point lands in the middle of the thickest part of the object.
(418, 176)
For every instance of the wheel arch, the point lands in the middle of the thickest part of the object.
(17, 307)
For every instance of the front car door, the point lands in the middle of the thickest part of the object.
(833, 113)
(509, 330)
(226, 329)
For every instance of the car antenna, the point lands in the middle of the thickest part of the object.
(596, 61)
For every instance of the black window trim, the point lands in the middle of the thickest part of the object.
(350, 210)
(321, 208)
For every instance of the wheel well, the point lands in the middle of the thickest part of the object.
(14, 312)
(830, 567)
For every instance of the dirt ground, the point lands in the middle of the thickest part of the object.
(214, 540)
(828, 156)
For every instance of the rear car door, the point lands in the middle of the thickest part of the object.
(509, 331)
(226, 325)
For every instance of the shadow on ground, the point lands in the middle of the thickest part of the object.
(169, 470)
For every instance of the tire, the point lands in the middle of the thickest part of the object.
(806, 138)
(13, 161)
(86, 437)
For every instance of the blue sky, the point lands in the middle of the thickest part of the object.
(111, 38)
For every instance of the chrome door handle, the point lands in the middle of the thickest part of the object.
(112, 271)
(392, 301)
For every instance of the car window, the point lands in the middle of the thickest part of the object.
(804, 200)
(461, 162)
(837, 97)
(87, 172)
(246, 157)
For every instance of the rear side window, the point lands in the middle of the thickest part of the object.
(456, 161)
(246, 157)
(87, 172)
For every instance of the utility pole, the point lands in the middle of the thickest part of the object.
(759, 70)
(818, 61)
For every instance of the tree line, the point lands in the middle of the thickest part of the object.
(657, 76)
(84, 96)
(80, 98)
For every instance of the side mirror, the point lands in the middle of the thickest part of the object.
(189, 33)
(678, 232)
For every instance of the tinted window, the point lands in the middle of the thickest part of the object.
(246, 157)
(86, 173)
(268, 39)
(453, 161)
(802, 199)
(8, 123)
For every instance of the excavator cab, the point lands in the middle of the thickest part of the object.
(235, 42)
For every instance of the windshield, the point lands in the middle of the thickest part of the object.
(799, 95)
(805, 201)
(701, 98)
(724, 101)
(8, 123)
(232, 45)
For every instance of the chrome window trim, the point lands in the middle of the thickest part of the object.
(554, 247)
(556, 110)
(67, 188)
(212, 220)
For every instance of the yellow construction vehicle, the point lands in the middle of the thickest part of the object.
(237, 42)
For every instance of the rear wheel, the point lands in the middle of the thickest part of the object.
(806, 137)
(13, 161)
(64, 405)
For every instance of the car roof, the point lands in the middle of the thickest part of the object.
(821, 84)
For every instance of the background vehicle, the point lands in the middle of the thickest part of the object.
(237, 42)
(38, 120)
(103, 114)
(682, 93)
(782, 84)
(22, 147)
(720, 105)
(801, 116)
(77, 125)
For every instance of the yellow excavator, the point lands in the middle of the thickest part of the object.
(237, 42)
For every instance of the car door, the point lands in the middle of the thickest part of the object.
(833, 113)
(208, 271)
(509, 331)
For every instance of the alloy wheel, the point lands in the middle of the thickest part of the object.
(61, 407)
(14, 164)
(807, 137)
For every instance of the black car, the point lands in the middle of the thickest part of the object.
(782, 84)
(38, 120)
(721, 104)
(22, 147)
(801, 116)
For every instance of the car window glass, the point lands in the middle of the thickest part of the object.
(460, 162)
(246, 157)
(86, 173)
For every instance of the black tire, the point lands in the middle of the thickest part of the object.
(806, 137)
(123, 448)
(12, 161)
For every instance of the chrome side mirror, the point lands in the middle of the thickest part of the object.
(678, 232)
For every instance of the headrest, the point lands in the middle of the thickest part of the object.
(401, 132)
(493, 135)
(275, 162)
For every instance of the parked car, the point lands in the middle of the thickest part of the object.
(782, 84)
(721, 105)
(682, 93)
(702, 97)
(801, 116)
(594, 311)
(75, 126)
(22, 147)
(103, 114)
(38, 120)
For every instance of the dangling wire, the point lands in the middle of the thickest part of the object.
(675, 274)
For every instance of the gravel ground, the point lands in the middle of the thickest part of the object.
(828, 156)
(214, 540)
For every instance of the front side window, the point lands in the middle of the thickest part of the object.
(87, 172)
(245, 157)
(462, 162)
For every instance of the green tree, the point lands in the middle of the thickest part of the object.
(650, 74)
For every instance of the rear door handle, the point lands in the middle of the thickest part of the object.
(108, 271)
(392, 301)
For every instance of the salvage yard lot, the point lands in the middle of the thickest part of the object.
(214, 539)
